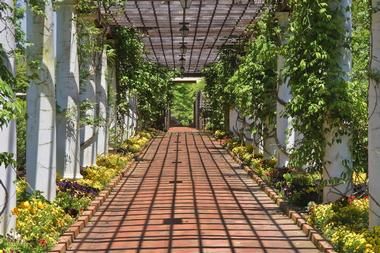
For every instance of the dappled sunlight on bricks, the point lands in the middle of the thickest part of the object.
(188, 195)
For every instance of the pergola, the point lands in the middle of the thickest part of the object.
(188, 38)
(183, 38)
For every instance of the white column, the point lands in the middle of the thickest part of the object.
(233, 120)
(133, 115)
(41, 138)
(112, 86)
(269, 140)
(67, 92)
(374, 123)
(338, 155)
(7, 132)
(102, 103)
(283, 93)
(88, 131)
(8, 178)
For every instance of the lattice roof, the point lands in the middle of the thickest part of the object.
(212, 24)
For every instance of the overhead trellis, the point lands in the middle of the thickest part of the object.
(189, 38)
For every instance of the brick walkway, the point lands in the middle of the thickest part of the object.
(188, 195)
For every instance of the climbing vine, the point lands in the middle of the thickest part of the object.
(320, 91)
(253, 85)
(217, 75)
(149, 82)
(359, 85)
(8, 103)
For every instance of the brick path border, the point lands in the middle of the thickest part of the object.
(73, 231)
(319, 241)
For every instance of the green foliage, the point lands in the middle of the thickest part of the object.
(37, 6)
(91, 7)
(183, 102)
(98, 176)
(136, 143)
(346, 225)
(358, 88)
(218, 99)
(220, 134)
(318, 86)
(297, 186)
(21, 135)
(6, 159)
(71, 204)
(153, 94)
(253, 85)
(9, 107)
(149, 82)
(40, 223)
(10, 246)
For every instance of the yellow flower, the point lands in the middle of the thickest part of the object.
(25, 204)
(15, 211)
(40, 205)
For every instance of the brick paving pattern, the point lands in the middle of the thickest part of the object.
(186, 194)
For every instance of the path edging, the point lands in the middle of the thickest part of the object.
(319, 241)
(66, 239)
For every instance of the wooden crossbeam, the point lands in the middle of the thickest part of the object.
(212, 25)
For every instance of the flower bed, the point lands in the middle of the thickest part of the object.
(299, 187)
(40, 222)
(344, 223)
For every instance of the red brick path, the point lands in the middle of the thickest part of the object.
(182, 130)
(188, 195)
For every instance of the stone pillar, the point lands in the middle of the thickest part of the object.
(374, 123)
(87, 94)
(283, 97)
(67, 92)
(338, 155)
(41, 125)
(8, 131)
(102, 103)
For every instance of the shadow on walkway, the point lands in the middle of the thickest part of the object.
(188, 195)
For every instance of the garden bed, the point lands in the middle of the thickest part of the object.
(42, 224)
(343, 223)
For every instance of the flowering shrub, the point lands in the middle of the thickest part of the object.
(13, 246)
(137, 142)
(21, 187)
(76, 190)
(114, 161)
(231, 143)
(97, 176)
(71, 204)
(373, 240)
(108, 166)
(345, 224)
(220, 134)
(298, 186)
(40, 223)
